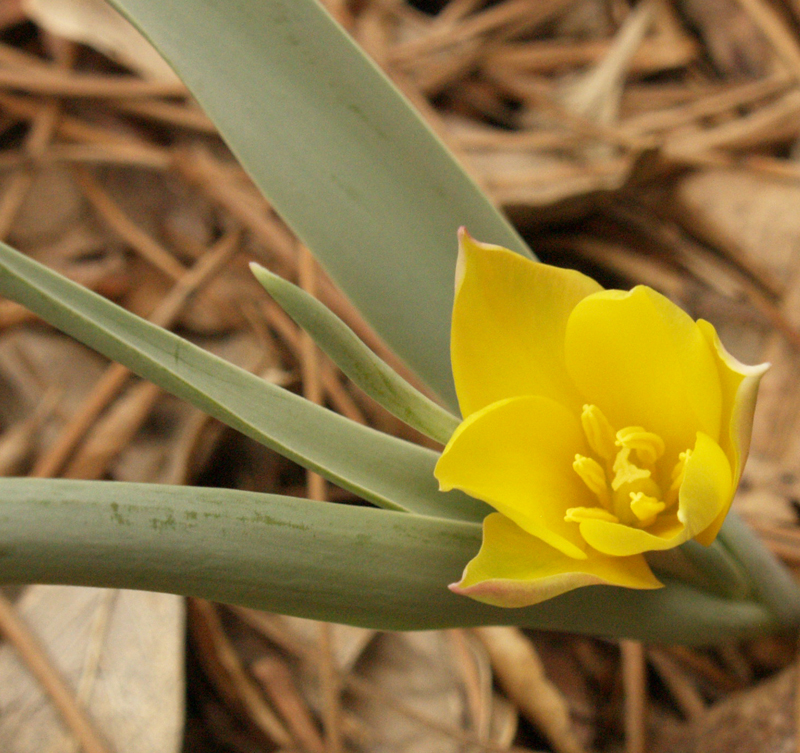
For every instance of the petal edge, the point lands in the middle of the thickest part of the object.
(509, 319)
(514, 569)
(517, 455)
(739, 384)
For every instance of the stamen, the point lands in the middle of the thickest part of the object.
(598, 431)
(579, 514)
(626, 472)
(645, 508)
(593, 475)
(678, 475)
(649, 446)
(679, 471)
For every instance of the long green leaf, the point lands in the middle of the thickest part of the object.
(382, 469)
(772, 583)
(357, 361)
(360, 566)
(342, 156)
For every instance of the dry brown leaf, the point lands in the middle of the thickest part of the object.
(418, 671)
(756, 219)
(97, 24)
(521, 674)
(122, 654)
(760, 719)
(347, 643)
(52, 206)
(35, 361)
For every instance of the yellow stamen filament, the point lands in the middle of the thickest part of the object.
(649, 446)
(678, 475)
(593, 475)
(579, 514)
(645, 508)
(629, 457)
(625, 471)
(598, 431)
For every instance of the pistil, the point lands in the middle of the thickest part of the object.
(622, 478)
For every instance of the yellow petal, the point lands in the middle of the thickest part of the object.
(707, 490)
(509, 318)
(739, 389)
(644, 362)
(514, 569)
(619, 540)
(517, 455)
(577, 514)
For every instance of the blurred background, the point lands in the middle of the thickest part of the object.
(655, 142)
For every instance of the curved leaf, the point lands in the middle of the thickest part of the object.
(345, 160)
(772, 583)
(356, 360)
(382, 469)
(357, 565)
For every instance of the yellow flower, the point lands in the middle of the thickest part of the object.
(600, 424)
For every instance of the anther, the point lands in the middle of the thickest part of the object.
(648, 446)
(593, 475)
(598, 431)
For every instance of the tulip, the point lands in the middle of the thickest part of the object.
(599, 424)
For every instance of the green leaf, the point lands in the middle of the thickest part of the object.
(343, 157)
(382, 469)
(357, 361)
(360, 566)
(772, 583)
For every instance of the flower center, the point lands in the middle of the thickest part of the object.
(626, 474)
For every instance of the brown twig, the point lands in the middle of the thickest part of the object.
(520, 672)
(115, 376)
(276, 680)
(731, 97)
(634, 681)
(705, 668)
(784, 41)
(168, 113)
(51, 81)
(36, 142)
(143, 243)
(516, 15)
(681, 687)
(477, 684)
(270, 626)
(224, 664)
